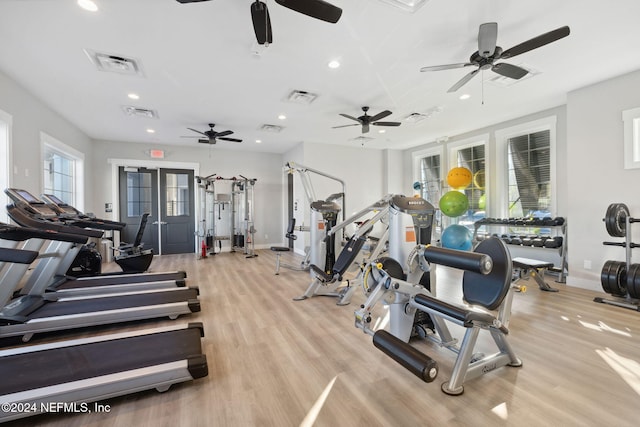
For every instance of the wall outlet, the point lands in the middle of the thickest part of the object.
(587, 264)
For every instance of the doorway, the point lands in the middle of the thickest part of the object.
(168, 195)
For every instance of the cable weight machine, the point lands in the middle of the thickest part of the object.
(226, 216)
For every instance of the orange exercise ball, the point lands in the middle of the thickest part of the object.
(459, 178)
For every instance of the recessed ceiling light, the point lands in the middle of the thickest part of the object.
(382, 131)
(151, 131)
(133, 96)
(282, 117)
(333, 64)
(465, 96)
(88, 5)
(258, 141)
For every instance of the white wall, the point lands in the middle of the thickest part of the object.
(30, 117)
(265, 167)
(595, 173)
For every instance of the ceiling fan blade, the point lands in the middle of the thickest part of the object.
(224, 133)
(230, 139)
(261, 22)
(190, 1)
(318, 9)
(379, 116)
(463, 81)
(487, 37)
(365, 127)
(350, 117)
(197, 131)
(386, 124)
(344, 126)
(509, 70)
(536, 42)
(446, 67)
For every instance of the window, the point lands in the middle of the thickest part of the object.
(177, 193)
(5, 161)
(526, 153)
(529, 158)
(631, 119)
(62, 171)
(139, 193)
(473, 157)
(430, 181)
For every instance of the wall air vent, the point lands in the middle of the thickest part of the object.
(502, 81)
(115, 63)
(144, 113)
(301, 97)
(271, 128)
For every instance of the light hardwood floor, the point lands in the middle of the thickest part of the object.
(270, 358)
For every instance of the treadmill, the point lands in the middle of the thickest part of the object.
(31, 313)
(29, 211)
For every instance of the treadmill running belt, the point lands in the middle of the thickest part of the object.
(29, 371)
(61, 308)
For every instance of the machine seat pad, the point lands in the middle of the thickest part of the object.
(467, 317)
(527, 263)
(321, 274)
(280, 248)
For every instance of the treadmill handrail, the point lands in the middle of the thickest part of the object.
(14, 233)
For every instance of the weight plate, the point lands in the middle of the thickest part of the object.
(616, 219)
(618, 279)
(604, 276)
(633, 281)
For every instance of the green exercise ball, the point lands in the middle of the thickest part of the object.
(454, 203)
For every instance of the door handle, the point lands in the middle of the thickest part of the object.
(159, 222)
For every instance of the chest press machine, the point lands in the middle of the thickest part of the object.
(486, 289)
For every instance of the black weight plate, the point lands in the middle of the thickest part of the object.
(558, 220)
(615, 219)
(633, 281)
(553, 243)
(618, 279)
(539, 242)
(604, 276)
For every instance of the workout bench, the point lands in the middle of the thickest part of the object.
(527, 268)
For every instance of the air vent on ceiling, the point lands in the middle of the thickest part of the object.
(271, 128)
(144, 113)
(503, 81)
(301, 97)
(115, 63)
(418, 117)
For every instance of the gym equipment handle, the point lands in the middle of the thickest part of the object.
(411, 359)
(470, 261)
(622, 244)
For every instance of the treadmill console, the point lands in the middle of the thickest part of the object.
(58, 205)
(24, 199)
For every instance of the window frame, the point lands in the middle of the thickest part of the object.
(49, 143)
(6, 147)
(631, 123)
(454, 147)
(502, 136)
(417, 163)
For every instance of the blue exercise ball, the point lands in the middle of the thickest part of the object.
(457, 237)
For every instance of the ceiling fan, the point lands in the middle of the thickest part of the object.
(318, 9)
(488, 53)
(212, 135)
(365, 120)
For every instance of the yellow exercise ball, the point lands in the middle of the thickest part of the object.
(479, 180)
(459, 178)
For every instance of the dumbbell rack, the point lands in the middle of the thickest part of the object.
(558, 223)
(621, 279)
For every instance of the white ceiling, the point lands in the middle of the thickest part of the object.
(199, 65)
